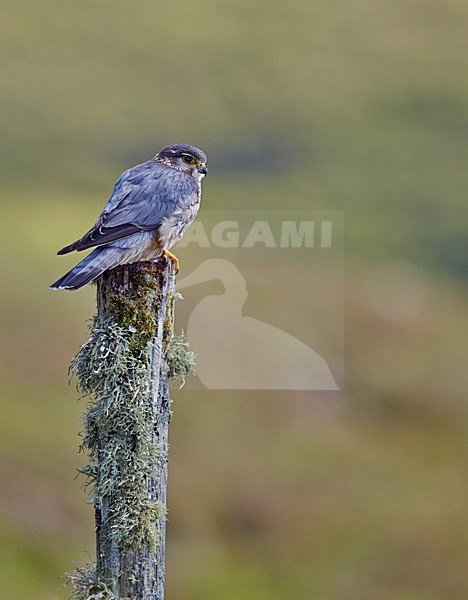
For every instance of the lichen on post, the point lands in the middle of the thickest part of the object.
(125, 367)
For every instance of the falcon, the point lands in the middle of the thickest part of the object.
(148, 211)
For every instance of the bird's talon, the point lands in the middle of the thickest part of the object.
(174, 260)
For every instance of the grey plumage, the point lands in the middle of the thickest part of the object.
(148, 211)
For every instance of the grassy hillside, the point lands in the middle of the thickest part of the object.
(351, 106)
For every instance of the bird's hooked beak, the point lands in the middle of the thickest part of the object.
(201, 168)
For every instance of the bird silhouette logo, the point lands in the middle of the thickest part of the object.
(241, 352)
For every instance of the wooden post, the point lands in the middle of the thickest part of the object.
(125, 366)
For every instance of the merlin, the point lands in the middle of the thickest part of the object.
(148, 211)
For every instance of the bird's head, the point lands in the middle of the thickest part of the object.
(184, 158)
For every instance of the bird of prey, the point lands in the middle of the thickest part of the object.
(148, 211)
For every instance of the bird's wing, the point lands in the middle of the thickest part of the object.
(142, 198)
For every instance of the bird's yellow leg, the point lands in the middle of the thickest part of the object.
(174, 260)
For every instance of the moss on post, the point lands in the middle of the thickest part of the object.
(125, 368)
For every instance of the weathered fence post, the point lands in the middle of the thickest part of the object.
(125, 366)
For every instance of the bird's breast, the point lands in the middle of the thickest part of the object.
(174, 226)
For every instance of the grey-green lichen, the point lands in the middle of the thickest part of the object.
(86, 585)
(118, 433)
(180, 360)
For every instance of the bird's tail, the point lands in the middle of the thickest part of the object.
(88, 269)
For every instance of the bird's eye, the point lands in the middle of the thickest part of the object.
(188, 159)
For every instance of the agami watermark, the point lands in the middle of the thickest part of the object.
(229, 234)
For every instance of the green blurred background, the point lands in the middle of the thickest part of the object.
(355, 106)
